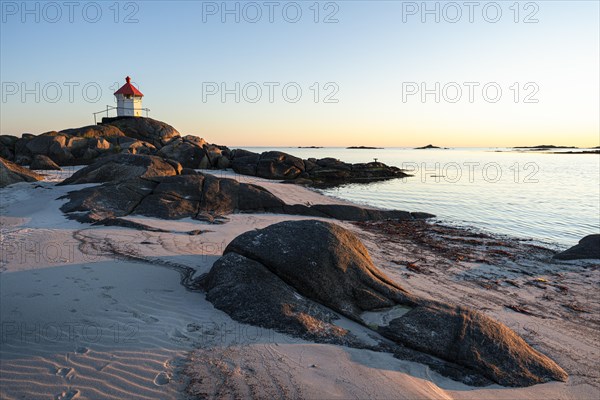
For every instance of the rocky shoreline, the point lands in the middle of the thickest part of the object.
(314, 267)
(146, 136)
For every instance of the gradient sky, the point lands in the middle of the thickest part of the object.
(175, 49)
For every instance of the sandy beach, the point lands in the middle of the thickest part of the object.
(95, 312)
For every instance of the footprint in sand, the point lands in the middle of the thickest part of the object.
(193, 327)
(178, 336)
(142, 317)
(162, 379)
(149, 319)
(82, 350)
(65, 372)
(69, 395)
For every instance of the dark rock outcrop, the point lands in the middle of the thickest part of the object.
(41, 144)
(283, 166)
(42, 162)
(68, 147)
(587, 248)
(279, 165)
(157, 133)
(173, 198)
(115, 199)
(472, 339)
(7, 147)
(205, 197)
(12, 173)
(192, 194)
(170, 197)
(225, 196)
(22, 153)
(146, 136)
(121, 167)
(85, 145)
(195, 153)
(244, 162)
(86, 150)
(333, 268)
(94, 131)
(186, 150)
(51, 144)
(250, 293)
(134, 146)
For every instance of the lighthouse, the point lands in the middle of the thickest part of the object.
(129, 100)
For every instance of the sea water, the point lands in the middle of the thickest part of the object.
(549, 198)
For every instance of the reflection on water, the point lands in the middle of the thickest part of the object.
(552, 198)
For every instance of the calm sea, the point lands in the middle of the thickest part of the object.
(550, 198)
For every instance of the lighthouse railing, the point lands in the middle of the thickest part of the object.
(110, 108)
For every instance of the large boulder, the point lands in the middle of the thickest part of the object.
(244, 162)
(173, 198)
(22, 155)
(12, 173)
(279, 165)
(157, 133)
(213, 152)
(355, 213)
(170, 197)
(7, 146)
(247, 291)
(187, 150)
(472, 339)
(121, 167)
(138, 147)
(94, 131)
(115, 199)
(42, 162)
(587, 248)
(41, 144)
(329, 265)
(51, 144)
(87, 149)
(205, 197)
(224, 196)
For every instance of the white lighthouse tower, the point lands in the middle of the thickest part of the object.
(129, 100)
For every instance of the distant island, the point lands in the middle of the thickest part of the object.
(364, 147)
(577, 152)
(545, 146)
(429, 146)
(310, 147)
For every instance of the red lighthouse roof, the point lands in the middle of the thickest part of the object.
(128, 89)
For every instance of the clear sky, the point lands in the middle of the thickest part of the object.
(373, 57)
